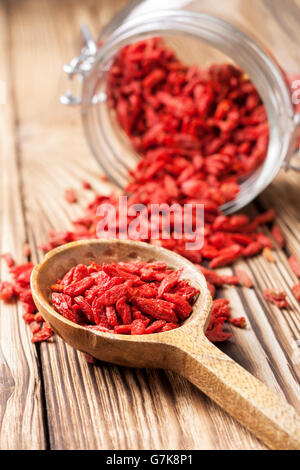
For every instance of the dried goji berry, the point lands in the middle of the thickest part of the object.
(168, 282)
(266, 217)
(63, 303)
(112, 295)
(224, 259)
(278, 236)
(78, 287)
(70, 195)
(43, 334)
(168, 327)
(137, 327)
(252, 249)
(8, 259)
(264, 240)
(90, 359)
(98, 314)
(276, 297)
(216, 333)
(111, 315)
(86, 184)
(295, 265)
(35, 327)
(211, 289)
(28, 317)
(240, 322)
(296, 291)
(122, 329)
(7, 291)
(124, 310)
(244, 278)
(85, 308)
(182, 307)
(26, 250)
(220, 308)
(156, 308)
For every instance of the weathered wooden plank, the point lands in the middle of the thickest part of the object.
(21, 412)
(107, 406)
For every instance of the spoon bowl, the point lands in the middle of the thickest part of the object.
(125, 350)
(185, 350)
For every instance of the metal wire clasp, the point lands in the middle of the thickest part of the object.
(80, 65)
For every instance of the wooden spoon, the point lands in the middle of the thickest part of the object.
(185, 350)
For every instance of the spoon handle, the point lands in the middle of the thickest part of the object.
(238, 392)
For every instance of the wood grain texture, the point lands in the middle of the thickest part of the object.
(110, 407)
(21, 404)
(185, 350)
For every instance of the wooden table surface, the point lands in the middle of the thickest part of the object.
(50, 397)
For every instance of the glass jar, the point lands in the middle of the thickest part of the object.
(200, 32)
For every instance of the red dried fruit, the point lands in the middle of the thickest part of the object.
(119, 307)
(20, 288)
(26, 250)
(38, 317)
(90, 359)
(230, 279)
(295, 265)
(252, 249)
(296, 291)
(220, 308)
(168, 327)
(225, 258)
(147, 290)
(264, 240)
(266, 217)
(7, 291)
(103, 329)
(86, 184)
(43, 335)
(216, 333)
(211, 289)
(63, 304)
(111, 315)
(28, 317)
(97, 314)
(112, 295)
(156, 308)
(182, 307)
(85, 308)
(8, 259)
(278, 236)
(211, 276)
(80, 272)
(35, 327)
(78, 287)
(70, 195)
(244, 278)
(57, 288)
(123, 310)
(276, 297)
(156, 326)
(168, 282)
(138, 327)
(122, 329)
(239, 322)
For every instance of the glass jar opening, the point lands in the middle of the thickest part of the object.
(196, 39)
